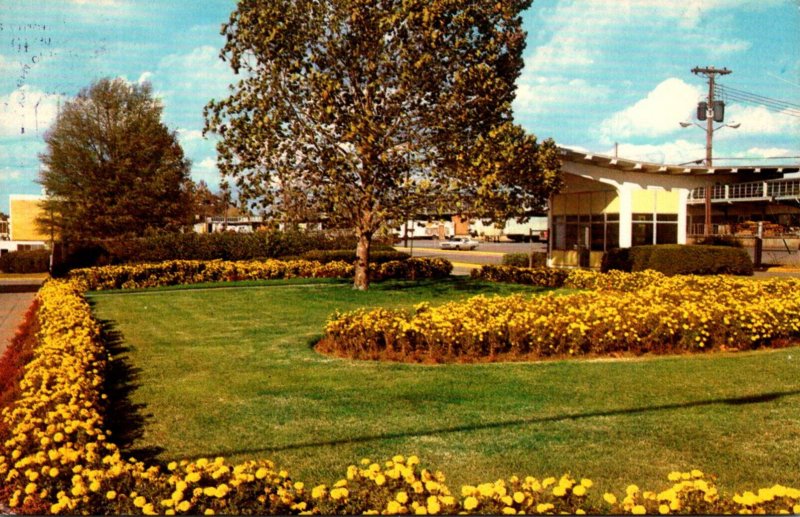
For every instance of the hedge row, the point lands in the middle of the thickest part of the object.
(348, 255)
(162, 247)
(28, 261)
(676, 259)
(653, 314)
(178, 272)
(56, 457)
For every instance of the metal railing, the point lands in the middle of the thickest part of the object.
(753, 191)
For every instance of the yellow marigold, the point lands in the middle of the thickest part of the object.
(318, 491)
(470, 503)
(579, 490)
(519, 497)
(111, 495)
(559, 491)
(663, 509)
(674, 476)
(587, 483)
(139, 501)
(509, 510)
(393, 508)
(380, 480)
(544, 507)
(208, 511)
(401, 497)
(696, 473)
(632, 489)
(610, 498)
(639, 510)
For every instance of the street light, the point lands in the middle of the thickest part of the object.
(709, 130)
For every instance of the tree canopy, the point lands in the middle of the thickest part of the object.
(111, 168)
(369, 110)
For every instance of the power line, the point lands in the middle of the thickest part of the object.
(786, 108)
(755, 95)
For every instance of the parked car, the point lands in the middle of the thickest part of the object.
(458, 243)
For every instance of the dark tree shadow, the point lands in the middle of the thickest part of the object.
(124, 418)
(735, 401)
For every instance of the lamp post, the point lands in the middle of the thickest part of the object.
(709, 129)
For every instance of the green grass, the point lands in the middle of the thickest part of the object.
(231, 372)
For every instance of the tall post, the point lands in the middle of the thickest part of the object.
(710, 73)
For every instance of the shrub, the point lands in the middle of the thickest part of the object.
(523, 259)
(542, 276)
(375, 257)
(676, 259)
(27, 261)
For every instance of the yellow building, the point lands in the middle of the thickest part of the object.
(23, 231)
(610, 202)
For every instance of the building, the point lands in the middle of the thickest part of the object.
(611, 202)
(23, 232)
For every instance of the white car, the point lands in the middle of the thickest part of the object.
(459, 243)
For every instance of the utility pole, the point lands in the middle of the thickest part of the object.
(713, 112)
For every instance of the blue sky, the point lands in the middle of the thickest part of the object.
(597, 72)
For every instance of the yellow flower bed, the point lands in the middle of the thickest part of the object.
(56, 457)
(177, 272)
(652, 313)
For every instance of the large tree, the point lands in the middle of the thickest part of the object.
(366, 110)
(111, 168)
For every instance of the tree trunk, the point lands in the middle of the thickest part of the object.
(361, 281)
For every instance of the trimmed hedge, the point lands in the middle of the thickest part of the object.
(523, 259)
(379, 256)
(542, 276)
(28, 261)
(677, 259)
(162, 247)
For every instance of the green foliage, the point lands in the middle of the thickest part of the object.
(676, 259)
(365, 110)
(523, 259)
(111, 167)
(349, 255)
(29, 261)
(538, 276)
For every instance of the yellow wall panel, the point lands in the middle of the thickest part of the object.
(668, 202)
(643, 201)
(24, 213)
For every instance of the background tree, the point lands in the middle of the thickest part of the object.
(112, 168)
(365, 109)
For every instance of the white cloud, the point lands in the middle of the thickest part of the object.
(758, 120)
(188, 81)
(8, 175)
(206, 171)
(675, 152)
(542, 93)
(768, 152)
(658, 114)
(27, 111)
(145, 77)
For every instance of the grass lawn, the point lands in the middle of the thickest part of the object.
(231, 372)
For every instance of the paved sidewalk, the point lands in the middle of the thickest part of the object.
(15, 299)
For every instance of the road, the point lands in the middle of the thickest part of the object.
(466, 261)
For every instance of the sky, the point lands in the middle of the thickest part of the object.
(599, 75)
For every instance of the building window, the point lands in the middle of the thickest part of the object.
(571, 231)
(654, 229)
